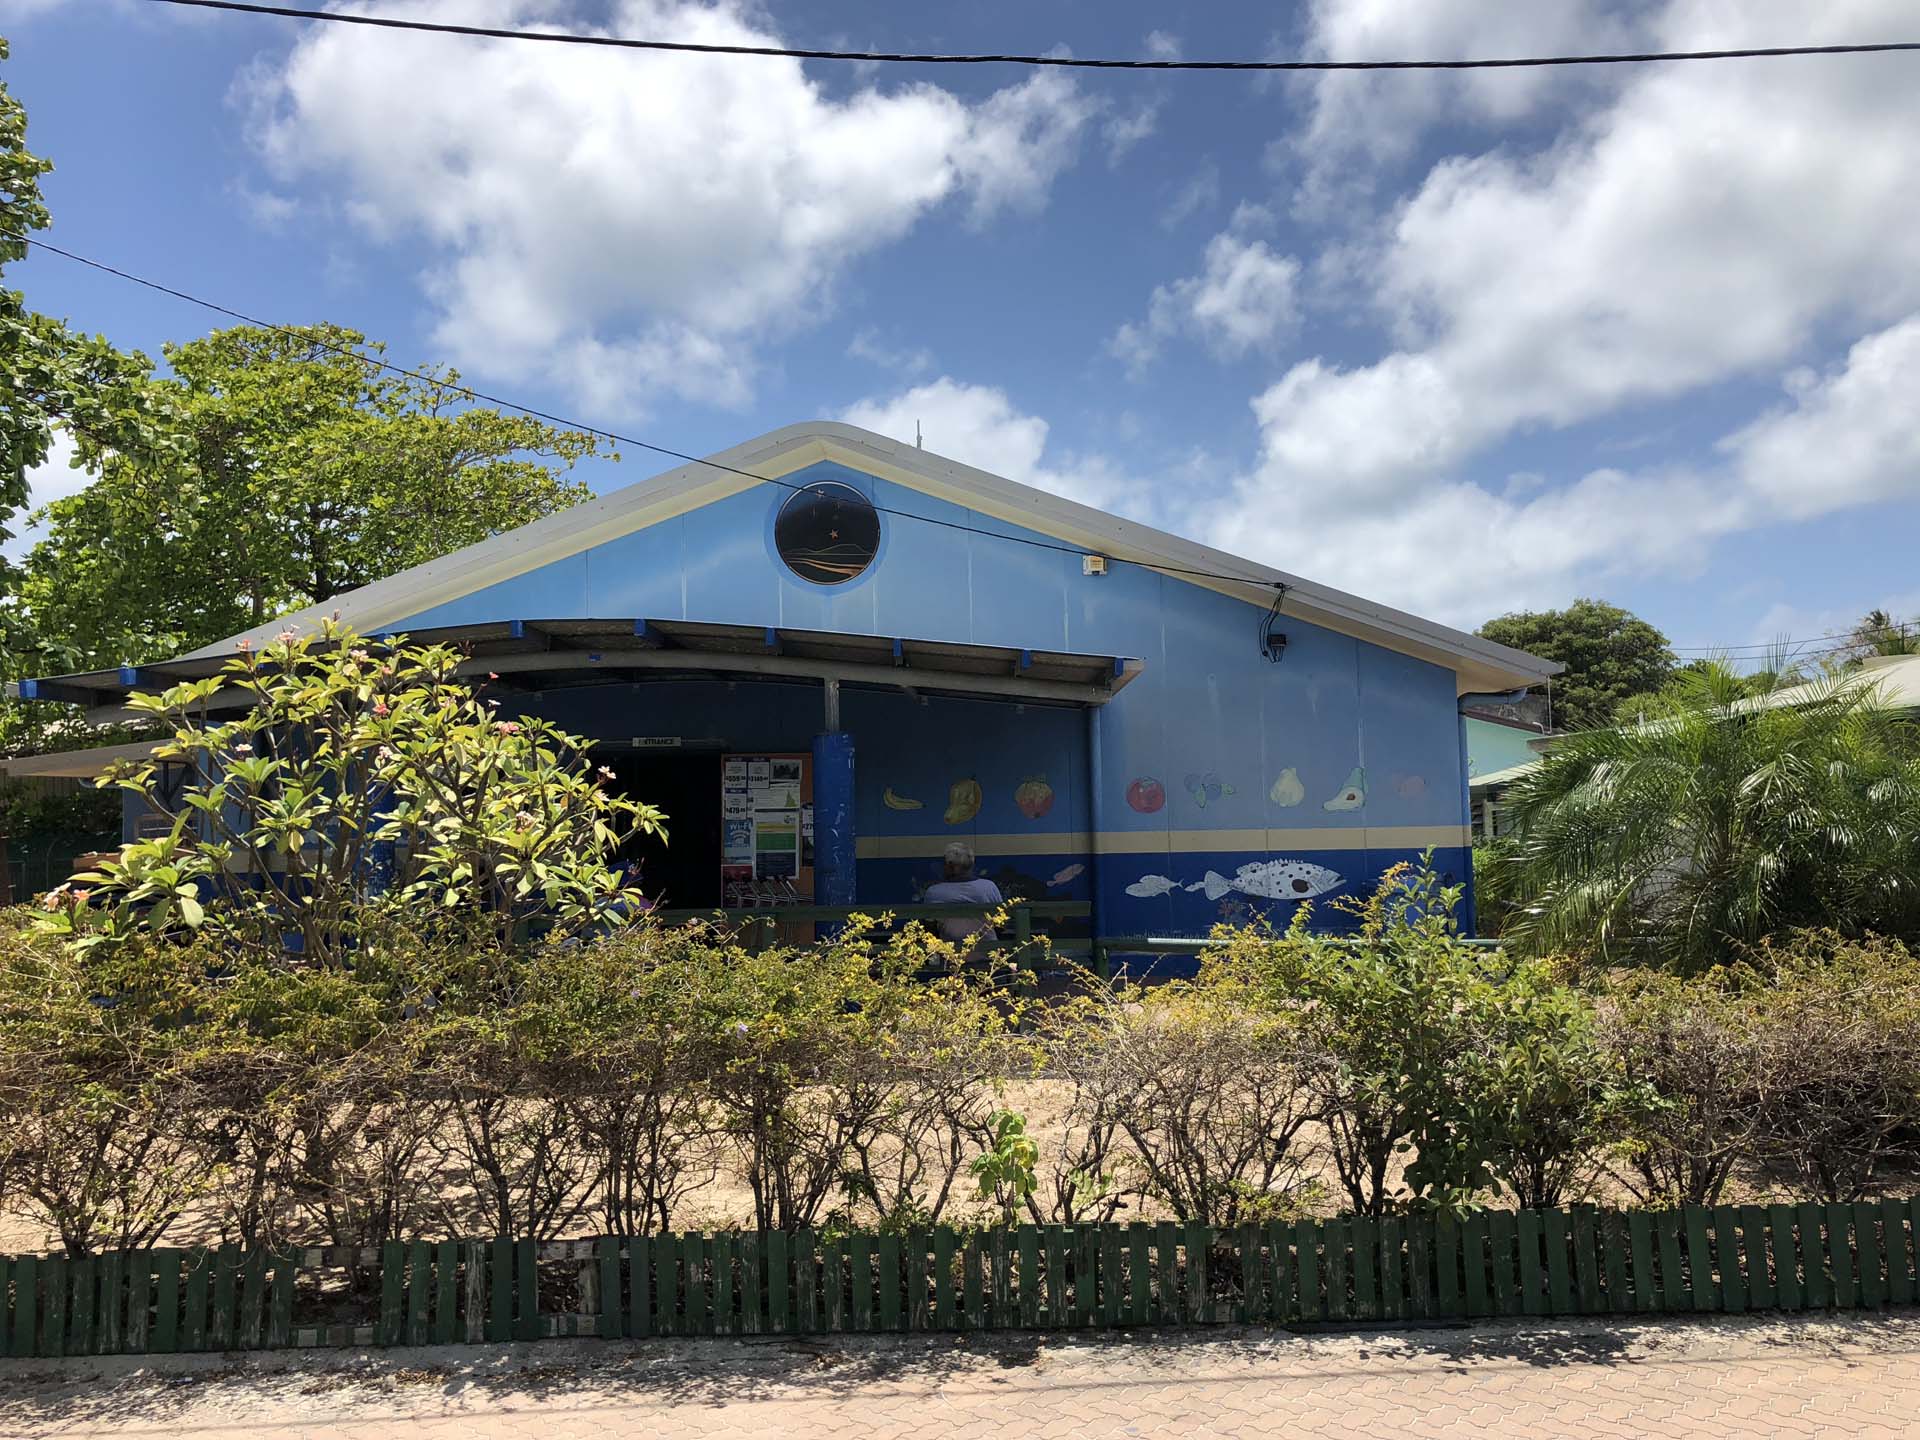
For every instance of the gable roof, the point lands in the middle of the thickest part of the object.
(1479, 665)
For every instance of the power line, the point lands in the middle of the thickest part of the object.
(613, 435)
(1787, 643)
(1065, 62)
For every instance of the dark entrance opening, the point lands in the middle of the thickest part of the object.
(683, 870)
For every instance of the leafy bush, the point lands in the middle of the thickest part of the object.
(359, 790)
(1207, 1089)
(1802, 1060)
(93, 1121)
(1440, 1071)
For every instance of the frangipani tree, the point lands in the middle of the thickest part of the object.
(337, 785)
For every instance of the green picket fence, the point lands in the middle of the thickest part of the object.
(1409, 1270)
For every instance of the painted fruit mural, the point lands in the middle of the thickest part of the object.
(1034, 796)
(1352, 795)
(1287, 790)
(1204, 788)
(963, 802)
(1146, 795)
(895, 801)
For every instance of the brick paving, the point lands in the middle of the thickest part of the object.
(1856, 1376)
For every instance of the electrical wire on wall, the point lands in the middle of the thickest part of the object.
(1272, 642)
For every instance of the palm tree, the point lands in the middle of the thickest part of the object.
(1719, 818)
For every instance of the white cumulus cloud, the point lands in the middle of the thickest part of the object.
(1703, 226)
(1241, 300)
(629, 224)
(1462, 552)
(1360, 120)
(979, 425)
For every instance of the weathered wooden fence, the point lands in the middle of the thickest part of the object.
(1407, 1270)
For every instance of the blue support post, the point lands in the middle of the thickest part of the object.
(833, 857)
(1096, 822)
(380, 860)
(1469, 917)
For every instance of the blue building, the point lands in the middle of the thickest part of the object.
(827, 655)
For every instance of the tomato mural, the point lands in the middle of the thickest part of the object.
(1146, 795)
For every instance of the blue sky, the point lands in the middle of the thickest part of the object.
(1462, 344)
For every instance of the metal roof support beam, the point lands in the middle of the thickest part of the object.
(794, 666)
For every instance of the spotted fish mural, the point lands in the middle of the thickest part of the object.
(1270, 880)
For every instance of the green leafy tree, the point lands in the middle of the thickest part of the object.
(1610, 655)
(1718, 820)
(358, 788)
(296, 471)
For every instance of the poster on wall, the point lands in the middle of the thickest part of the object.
(766, 816)
(776, 844)
(736, 840)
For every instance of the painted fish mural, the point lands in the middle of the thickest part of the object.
(1287, 790)
(1270, 880)
(1064, 877)
(1148, 886)
(1352, 795)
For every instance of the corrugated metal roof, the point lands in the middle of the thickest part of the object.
(1895, 679)
(1502, 777)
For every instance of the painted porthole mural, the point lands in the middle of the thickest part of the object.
(827, 532)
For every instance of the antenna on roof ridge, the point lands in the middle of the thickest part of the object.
(916, 436)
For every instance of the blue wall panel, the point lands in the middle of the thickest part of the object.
(1210, 759)
(552, 591)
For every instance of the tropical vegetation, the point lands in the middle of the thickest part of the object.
(1716, 821)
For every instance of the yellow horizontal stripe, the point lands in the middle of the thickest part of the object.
(931, 847)
(1167, 842)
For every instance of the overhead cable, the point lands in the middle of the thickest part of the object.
(1064, 62)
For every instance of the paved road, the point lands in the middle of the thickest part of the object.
(1823, 1376)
